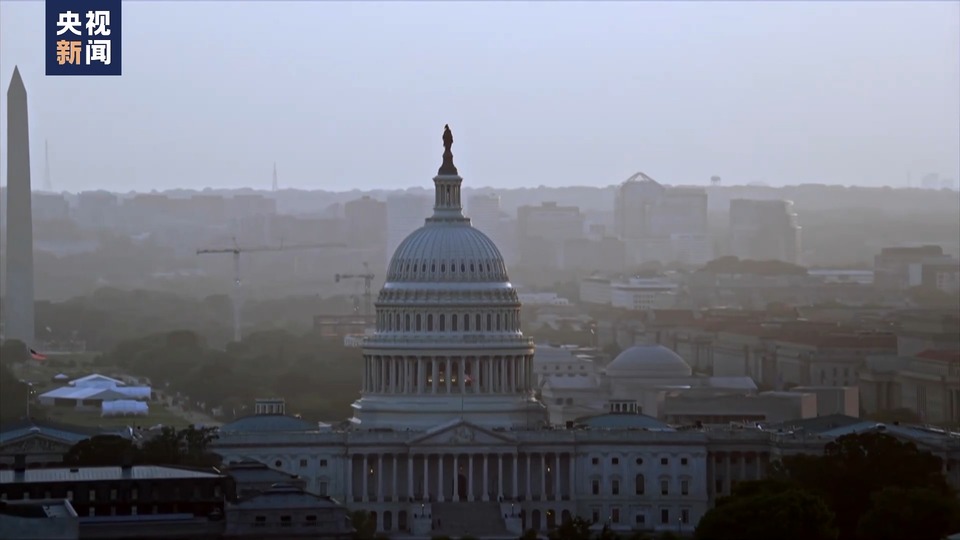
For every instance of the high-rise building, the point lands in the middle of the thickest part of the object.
(18, 304)
(764, 230)
(366, 223)
(405, 214)
(661, 223)
(543, 230)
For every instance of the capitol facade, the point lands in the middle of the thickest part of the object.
(448, 436)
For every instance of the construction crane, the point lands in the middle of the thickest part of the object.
(236, 250)
(367, 278)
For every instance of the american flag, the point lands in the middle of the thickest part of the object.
(36, 356)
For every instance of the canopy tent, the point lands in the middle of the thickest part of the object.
(124, 407)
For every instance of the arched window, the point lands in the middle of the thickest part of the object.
(443, 320)
(398, 323)
(498, 322)
(419, 327)
(489, 322)
(477, 326)
(443, 268)
(430, 322)
(640, 485)
(406, 324)
(453, 322)
(466, 323)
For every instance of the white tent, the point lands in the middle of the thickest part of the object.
(134, 392)
(124, 407)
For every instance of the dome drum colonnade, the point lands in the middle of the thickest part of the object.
(448, 342)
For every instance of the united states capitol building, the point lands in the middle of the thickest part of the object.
(448, 436)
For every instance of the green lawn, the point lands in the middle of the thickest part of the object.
(158, 415)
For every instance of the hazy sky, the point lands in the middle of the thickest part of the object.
(345, 95)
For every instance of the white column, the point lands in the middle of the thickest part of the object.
(433, 373)
(379, 477)
(440, 474)
(573, 470)
(366, 482)
(349, 479)
(485, 496)
(409, 477)
(476, 375)
(394, 492)
(426, 477)
(556, 476)
(516, 474)
(456, 471)
(446, 375)
(461, 371)
(469, 476)
(528, 494)
(543, 477)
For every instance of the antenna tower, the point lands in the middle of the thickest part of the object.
(276, 186)
(47, 185)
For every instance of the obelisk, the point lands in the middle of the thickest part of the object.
(18, 304)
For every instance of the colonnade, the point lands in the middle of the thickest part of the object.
(508, 374)
(461, 476)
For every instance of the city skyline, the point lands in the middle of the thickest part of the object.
(541, 94)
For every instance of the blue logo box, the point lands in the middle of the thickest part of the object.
(83, 37)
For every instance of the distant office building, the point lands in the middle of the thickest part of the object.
(487, 215)
(588, 255)
(242, 206)
(898, 268)
(97, 208)
(543, 230)
(366, 223)
(764, 230)
(405, 214)
(661, 223)
(50, 207)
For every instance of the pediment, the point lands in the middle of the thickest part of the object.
(34, 444)
(461, 433)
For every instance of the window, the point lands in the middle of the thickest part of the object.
(93, 495)
(615, 461)
(311, 521)
(664, 461)
(406, 319)
(615, 514)
(683, 461)
(278, 463)
(477, 326)
(323, 489)
(684, 487)
(685, 515)
(466, 323)
(664, 516)
(595, 516)
(640, 485)
(718, 485)
(664, 487)
(70, 494)
(113, 494)
(453, 322)
(489, 322)
(615, 487)
(303, 463)
(260, 521)
(323, 463)
(639, 461)
(429, 322)
(595, 487)
(595, 461)
(640, 519)
(285, 521)
(419, 325)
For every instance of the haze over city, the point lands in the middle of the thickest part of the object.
(559, 93)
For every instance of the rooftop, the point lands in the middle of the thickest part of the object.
(99, 474)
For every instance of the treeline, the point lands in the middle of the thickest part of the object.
(110, 316)
(317, 376)
(868, 486)
(186, 447)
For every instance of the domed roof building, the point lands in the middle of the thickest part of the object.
(447, 343)
(648, 362)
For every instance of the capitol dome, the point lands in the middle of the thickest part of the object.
(447, 343)
(649, 362)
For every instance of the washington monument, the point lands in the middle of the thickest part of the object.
(19, 295)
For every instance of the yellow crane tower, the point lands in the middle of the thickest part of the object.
(236, 250)
(367, 278)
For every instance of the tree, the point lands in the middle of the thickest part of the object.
(13, 351)
(854, 467)
(13, 396)
(916, 513)
(364, 526)
(188, 447)
(572, 529)
(102, 451)
(791, 514)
